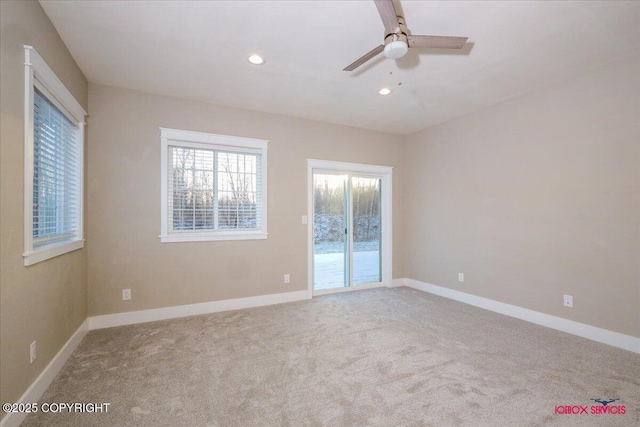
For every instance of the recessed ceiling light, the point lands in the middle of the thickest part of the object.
(384, 91)
(256, 59)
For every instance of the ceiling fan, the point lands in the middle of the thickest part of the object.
(398, 40)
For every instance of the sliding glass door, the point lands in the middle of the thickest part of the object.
(346, 230)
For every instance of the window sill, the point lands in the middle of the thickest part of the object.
(213, 236)
(50, 251)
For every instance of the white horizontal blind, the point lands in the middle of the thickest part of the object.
(211, 189)
(55, 173)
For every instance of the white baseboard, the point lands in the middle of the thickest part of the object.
(593, 333)
(46, 377)
(397, 282)
(132, 317)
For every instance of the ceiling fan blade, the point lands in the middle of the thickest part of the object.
(376, 51)
(387, 12)
(437, 42)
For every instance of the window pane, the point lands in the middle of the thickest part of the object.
(366, 230)
(55, 173)
(211, 189)
(237, 190)
(191, 188)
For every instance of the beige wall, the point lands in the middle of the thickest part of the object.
(124, 202)
(535, 198)
(45, 302)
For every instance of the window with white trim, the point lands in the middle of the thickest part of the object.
(214, 187)
(54, 140)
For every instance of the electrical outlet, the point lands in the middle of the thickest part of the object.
(568, 301)
(304, 219)
(126, 294)
(287, 278)
(460, 277)
(32, 352)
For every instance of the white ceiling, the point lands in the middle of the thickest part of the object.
(198, 50)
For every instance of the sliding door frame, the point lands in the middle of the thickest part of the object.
(385, 173)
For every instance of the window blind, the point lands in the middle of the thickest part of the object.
(212, 189)
(55, 173)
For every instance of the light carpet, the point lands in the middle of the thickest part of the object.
(381, 357)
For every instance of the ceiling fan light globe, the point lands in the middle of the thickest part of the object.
(396, 49)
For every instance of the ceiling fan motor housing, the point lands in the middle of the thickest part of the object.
(395, 43)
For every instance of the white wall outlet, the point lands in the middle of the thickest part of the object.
(568, 301)
(126, 294)
(287, 278)
(304, 219)
(460, 277)
(32, 352)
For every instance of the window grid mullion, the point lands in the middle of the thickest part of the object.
(59, 179)
(193, 199)
(216, 204)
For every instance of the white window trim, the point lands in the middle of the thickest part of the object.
(36, 71)
(215, 142)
